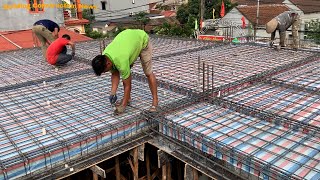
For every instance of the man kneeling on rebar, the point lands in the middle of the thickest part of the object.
(282, 22)
(57, 51)
(119, 56)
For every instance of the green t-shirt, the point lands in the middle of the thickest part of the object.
(124, 50)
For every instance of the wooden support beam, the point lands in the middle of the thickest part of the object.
(148, 164)
(95, 176)
(154, 175)
(143, 178)
(169, 171)
(109, 170)
(195, 174)
(136, 164)
(164, 172)
(117, 168)
(96, 170)
(188, 172)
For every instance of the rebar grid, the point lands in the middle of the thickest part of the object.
(75, 115)
(259, 146)
(235, 63)
(29, 65)
(304, 78)
(282, 102)
(79, 104)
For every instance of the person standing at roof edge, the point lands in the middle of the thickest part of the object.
(57, 51)
(282, 22)
(119, 56)
(46, 31)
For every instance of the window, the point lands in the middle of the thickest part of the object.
(103, 5)
(36, 6)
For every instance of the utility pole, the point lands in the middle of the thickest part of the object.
(257, 21)
(201, 12)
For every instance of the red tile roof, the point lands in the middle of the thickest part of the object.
(307, 6)
(168, 13)
(266, 12)
(254, 2)
(24, 39)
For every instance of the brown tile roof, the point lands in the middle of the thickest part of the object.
(24, 39)
(254, 2)
(307, 6)
(266, 12)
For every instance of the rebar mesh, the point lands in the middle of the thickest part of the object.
(260, 148)
(49, 117)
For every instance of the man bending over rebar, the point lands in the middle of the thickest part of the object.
(57, 51)
(282, 22)
(46, 31)
(118, 58)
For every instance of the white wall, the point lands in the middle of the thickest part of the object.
(122, 7)
(22, 19)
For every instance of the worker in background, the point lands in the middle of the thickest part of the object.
(282, 22)
(118, 58)
(46, 31)
(57, 51)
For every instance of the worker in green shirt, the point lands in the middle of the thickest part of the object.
(118, 58)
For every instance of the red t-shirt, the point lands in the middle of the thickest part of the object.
(55, 49)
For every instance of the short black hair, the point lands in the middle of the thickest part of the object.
(99, 64)
(66, 36)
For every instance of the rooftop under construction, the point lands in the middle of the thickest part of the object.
(242, 111)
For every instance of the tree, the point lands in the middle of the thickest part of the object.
(313, 30)
(216, 4)
(142, 19)
(188, 13)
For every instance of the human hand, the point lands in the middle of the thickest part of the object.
(113, 98)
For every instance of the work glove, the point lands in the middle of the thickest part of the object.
(113, 98)
(119, 110)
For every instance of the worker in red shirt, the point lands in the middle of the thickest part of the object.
(57, 51)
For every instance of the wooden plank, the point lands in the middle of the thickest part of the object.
(109, 170)
(148, 164)
(117, 168)
(135, 164)
(95, 176)
(188, 172)
(164, 172)
(99, 171)
(141, 152)
(154, 175)
(162, 158)
(169, 171)
(131, 164)
(195, 174)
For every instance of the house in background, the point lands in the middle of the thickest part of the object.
(115, 9)
(248, 14)
(308, 10)
(23, 18)
(73, 17)
(17, 21)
